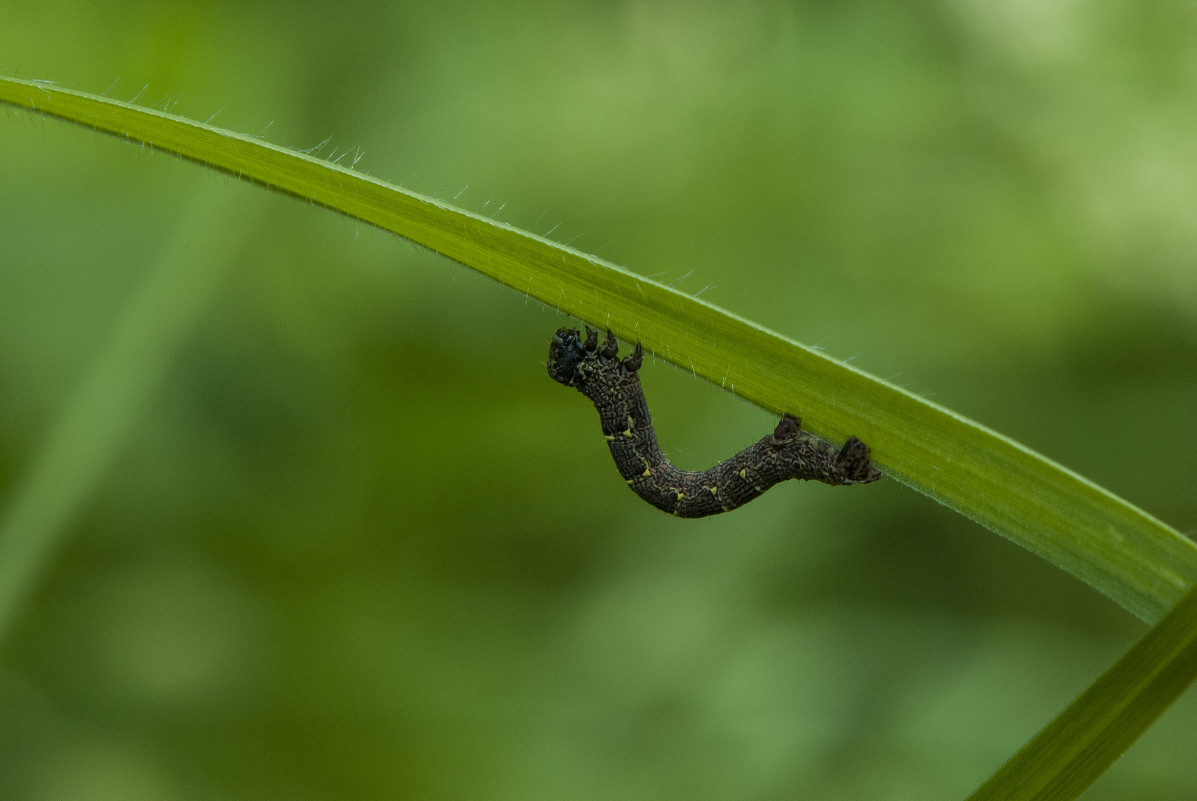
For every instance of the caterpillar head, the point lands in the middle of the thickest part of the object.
(567, 352)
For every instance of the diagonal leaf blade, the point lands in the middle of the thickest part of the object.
(1097, 728)
(1111, 545)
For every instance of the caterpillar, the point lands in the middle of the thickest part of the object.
(613, 385)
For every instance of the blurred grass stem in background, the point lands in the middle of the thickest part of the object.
(86, 435)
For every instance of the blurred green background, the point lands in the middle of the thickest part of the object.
(316, 525)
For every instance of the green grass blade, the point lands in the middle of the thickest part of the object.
(1135, 559)
(1079, 745)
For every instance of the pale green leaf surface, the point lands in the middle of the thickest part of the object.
(1118, 549)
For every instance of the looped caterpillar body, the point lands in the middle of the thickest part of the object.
(613, 385)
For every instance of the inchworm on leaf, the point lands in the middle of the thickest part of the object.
(613, 384)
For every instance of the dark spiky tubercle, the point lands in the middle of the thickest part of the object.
(613, 385)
